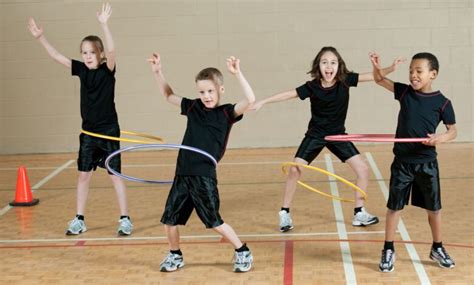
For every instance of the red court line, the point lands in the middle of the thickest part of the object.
(83, 243)
(288, 266)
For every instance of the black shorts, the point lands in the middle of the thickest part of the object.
(310, 147)
(93, 151)
(421, 179)
(189, 193)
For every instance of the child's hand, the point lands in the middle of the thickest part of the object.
(233, 65)
(155, 62)
(375, 59)
(433, 140)
(104, 15)
(36, 31)
(397, 61)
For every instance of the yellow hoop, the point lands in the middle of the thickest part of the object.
(364, 195)
(125, 139)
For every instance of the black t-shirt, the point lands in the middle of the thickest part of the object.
(328, 105)
(420, 114)
(208, 130)
(97, 96)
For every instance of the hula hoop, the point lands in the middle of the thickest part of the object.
(372, 138)
(125, 139)
(355, 187)
(140, 146)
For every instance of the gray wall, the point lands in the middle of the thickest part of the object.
(276, 41)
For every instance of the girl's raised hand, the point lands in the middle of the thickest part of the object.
(233, 65)
(104, 15)
(36, 31)
(155, 62)
(375, 59)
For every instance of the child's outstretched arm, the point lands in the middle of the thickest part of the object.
(38, 33)
(378, 74)
(369, 76)
(165, 89)
(103, 16)
(233, 65)
(447, 136)
(283, 96)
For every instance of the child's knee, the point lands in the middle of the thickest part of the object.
(363, 170)
(84, 177)
(294, 172)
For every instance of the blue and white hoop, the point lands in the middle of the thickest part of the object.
(140, 146)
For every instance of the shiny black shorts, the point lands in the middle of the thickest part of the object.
(310, 147)
(93, 152)
(421, 179)
(189, 193)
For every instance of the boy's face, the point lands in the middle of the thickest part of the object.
(420, 75)
(209, 92)
(328, 66)
(89, 55)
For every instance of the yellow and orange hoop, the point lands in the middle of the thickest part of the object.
(155, 138)
(285, 165)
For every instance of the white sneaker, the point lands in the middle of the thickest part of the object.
(125, 227)
(76, 227)
(243, 261)
(172, 262)
(387, 263)
(286, 223)
(441, 256)
(363, 218)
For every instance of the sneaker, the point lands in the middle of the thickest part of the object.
(76, 227)
(125, 227)
(363, 218)
(286, 223)
(243, 261)
(172, 262)
(441, 256)
(387, 263)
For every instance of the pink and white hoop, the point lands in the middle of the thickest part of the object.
(372, 138)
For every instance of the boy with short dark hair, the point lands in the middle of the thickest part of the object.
(415, 167)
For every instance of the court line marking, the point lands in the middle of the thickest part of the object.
(288, 263)
(217, 240)
(40, 183)
(415, 259)
(189, 237)
(349, 270)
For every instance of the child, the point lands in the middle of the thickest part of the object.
(98, 114)
(415, 167)
(329, 96)
(195, 184)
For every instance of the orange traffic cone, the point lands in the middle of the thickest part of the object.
(23, 196)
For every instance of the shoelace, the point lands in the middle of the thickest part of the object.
(364, 214)
(169, 259)
(125, 224)
(441, 251)
(240, 257)
(387, 255)
(75, 222)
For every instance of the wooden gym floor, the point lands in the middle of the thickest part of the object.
(323, 248)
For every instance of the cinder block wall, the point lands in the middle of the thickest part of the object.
(276, 41)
